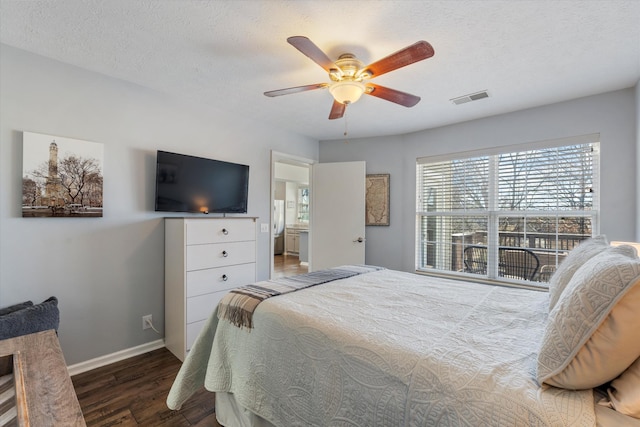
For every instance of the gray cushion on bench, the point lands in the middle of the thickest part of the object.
(29, 319)
(15, 307)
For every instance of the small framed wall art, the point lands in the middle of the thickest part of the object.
(61, 177)
(377, 199)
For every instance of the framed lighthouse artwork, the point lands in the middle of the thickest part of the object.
(61, 177)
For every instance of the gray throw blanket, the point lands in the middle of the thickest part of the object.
(238, 305)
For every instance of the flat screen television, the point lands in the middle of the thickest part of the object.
(198, 185)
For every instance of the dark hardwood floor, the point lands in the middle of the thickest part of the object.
(133, 392)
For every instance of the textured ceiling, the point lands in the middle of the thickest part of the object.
(227, 53)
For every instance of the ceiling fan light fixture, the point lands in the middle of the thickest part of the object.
(347, 74)
(347, 91)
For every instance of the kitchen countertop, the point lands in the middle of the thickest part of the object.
(300, 227)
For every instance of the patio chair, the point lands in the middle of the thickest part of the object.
(475, 259)
(515, 263)
(545, 273)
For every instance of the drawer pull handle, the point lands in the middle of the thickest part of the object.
(225, 231)
(224, 278)
(225, 254)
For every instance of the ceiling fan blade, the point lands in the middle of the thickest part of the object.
(296, 89)
(306, 46)
(402, 98)
(337, 110)
(414, 53)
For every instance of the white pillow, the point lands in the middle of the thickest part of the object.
(592, 333)
(567, 268)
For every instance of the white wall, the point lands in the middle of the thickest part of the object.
(613, 115)
(638, 161)
(108, 272)
(286, 172)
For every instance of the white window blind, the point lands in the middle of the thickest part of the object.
(510, 215)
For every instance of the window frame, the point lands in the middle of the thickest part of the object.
(493, 213)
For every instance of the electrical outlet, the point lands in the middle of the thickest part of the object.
(264, 227)
(147, 321)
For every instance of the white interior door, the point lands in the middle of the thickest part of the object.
(337, 215)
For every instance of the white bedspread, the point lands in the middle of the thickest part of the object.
(387, 349)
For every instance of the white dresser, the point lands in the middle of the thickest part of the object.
(204, 258)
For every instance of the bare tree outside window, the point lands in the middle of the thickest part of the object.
(61, 177)
(541, 200)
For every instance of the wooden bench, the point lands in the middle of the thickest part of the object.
(43, 391)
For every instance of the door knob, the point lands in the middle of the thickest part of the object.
(358, 240)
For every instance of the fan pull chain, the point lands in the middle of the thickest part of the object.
(346, 126)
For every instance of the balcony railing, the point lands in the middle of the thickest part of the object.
(550, 248)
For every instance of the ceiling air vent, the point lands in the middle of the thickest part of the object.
(470, 97)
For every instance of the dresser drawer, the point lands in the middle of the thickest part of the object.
(224, 230)
(220, 254)
(201, 282)
(201, 307)
(200, 252)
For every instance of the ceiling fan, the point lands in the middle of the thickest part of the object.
(349, 76)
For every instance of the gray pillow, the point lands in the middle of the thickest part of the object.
(576, 258)
(592, 333)
(15, 307)
(31, 319)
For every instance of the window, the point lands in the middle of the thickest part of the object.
(303, 204)
(510, 214)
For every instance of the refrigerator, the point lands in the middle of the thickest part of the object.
(278, 227)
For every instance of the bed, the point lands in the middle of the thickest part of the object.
(390, 348)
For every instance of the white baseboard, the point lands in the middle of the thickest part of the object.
(107, 359)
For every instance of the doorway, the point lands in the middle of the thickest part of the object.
(290, 214)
